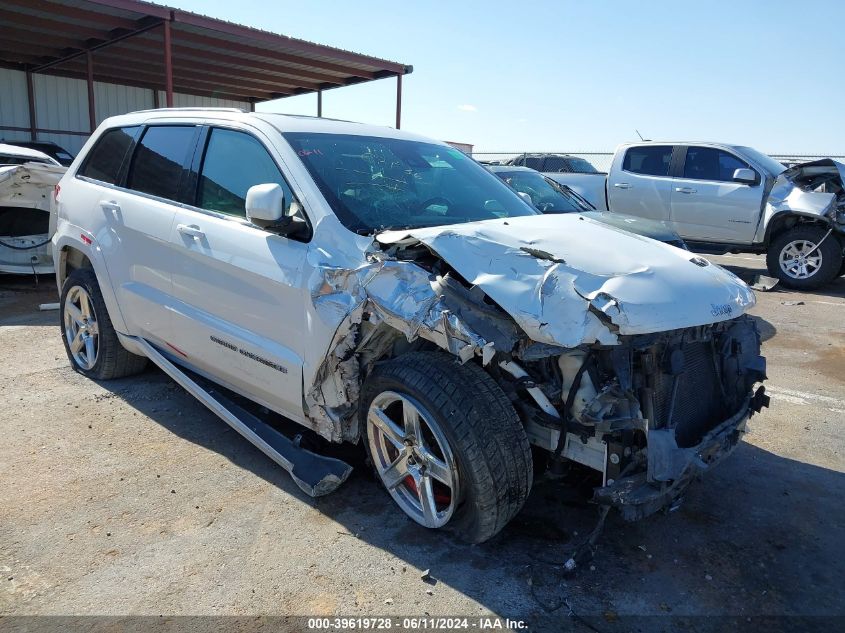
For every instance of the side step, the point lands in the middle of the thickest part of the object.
(317, 475)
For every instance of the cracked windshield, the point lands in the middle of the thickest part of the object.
(375, 184)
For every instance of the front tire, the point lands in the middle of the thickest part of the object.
(446, 443)
(803, 259)
(89, 337)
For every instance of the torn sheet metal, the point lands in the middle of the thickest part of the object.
(27, 219)
(410, 301)
(591, 282)
(815, 190)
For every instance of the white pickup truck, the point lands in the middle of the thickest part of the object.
(730, 198)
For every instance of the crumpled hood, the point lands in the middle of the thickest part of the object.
(568, 280)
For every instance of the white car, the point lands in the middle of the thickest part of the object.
(379, 287)
(27, 220)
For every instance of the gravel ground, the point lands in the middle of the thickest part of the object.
(130, 498)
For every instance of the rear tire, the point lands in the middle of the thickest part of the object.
(786, 258)
(463, 407)
(88, 335)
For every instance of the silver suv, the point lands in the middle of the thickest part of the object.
(380, 288)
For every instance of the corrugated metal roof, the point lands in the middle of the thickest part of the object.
(210, 57)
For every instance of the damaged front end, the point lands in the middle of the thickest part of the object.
(813, 190)
(655, 411)
(632, 358)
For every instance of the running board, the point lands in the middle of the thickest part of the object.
(316, 475)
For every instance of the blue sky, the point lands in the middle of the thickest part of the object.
(579, 76)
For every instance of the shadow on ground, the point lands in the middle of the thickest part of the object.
(748, 273)
(20, 296)
(760, 536)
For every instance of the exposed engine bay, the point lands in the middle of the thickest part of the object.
(653, 410)
(815, 189)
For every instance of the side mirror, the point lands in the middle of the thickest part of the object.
(265, 203)
(745, 175)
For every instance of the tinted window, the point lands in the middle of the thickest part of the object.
(708, 163)
(106, 157)
(234, 162)
(157, 165)
(651, 160)
(6, 159)
(568, 164)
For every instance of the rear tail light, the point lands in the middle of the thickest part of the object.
(56, 191)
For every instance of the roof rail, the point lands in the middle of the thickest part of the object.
(193, 109)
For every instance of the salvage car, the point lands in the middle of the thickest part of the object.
(730, 198)
(383, 289)
(27, 180)
(552, 197)
(53, 150)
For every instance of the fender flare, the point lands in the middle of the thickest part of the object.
(69, 236)
(777, 219)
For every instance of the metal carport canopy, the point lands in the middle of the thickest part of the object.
(153, 46)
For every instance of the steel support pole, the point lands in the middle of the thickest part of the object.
(398, 101)
(168, 66)
(92, 112)
(30, 92)
(319, 103)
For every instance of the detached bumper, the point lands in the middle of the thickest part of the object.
(671, 468)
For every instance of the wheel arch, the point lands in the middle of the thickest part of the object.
(787, 220)
(72, 254)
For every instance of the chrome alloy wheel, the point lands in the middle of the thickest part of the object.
(81, 330)
(413, 458)
(800, 259)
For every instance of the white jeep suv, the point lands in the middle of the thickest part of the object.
(379, 287)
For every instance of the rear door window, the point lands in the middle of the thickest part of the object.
(709, 163)
(235, 161)
(160, 159)
(649, 160)
(106, 157)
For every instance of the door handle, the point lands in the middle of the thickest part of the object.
(685, 190)
(622, 185)
(110, 205)
(191, 230)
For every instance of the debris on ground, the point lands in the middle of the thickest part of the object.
(792, 303)
(763, 283)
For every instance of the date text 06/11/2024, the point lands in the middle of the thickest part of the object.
(426, 623)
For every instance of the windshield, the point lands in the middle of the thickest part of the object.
(766, 162)
(545, 193)
(376, 183)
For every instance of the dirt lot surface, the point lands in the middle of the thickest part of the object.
(129, 497)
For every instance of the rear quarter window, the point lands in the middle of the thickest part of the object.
(160, 160)
(651, 160)
(106, 157)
